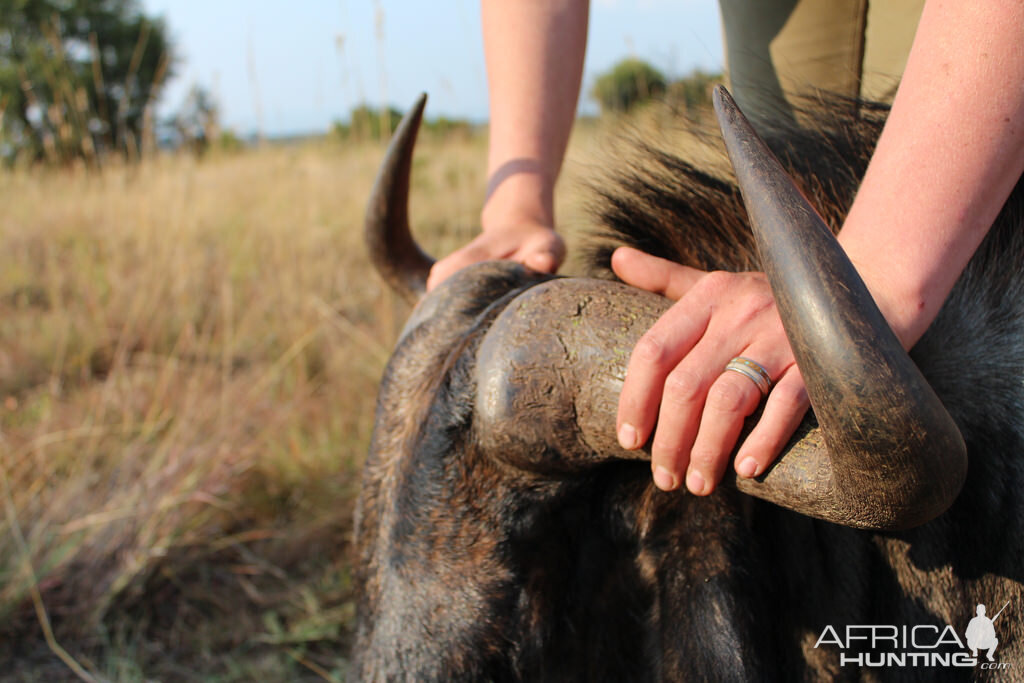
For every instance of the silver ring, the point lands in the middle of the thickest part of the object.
(753, 371)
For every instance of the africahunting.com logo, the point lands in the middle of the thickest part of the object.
(925, 645)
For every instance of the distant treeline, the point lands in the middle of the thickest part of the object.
(629, 83)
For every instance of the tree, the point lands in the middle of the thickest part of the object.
(629, 82)
(77, 77)
(197, 124)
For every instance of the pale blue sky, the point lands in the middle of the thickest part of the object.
(296, 67)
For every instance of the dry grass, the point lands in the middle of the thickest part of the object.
(188, 358)
(189, 354)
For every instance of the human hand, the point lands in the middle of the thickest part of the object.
(534, 245)
(676, 377)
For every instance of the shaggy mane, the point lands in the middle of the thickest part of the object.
(669, 204)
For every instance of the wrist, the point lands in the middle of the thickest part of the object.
(905, 293)
(518, 198)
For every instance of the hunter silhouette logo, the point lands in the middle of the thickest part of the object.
(981, 632)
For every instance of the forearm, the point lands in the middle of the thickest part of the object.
(950, 153)
(534, 51)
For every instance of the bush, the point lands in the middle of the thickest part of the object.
(629, 83)
(367, 123)
(693, 91)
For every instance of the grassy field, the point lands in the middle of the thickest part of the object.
(189, 354)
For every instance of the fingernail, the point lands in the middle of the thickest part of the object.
(747, 468)
(628, 437)
(664, 479)
(695, 482)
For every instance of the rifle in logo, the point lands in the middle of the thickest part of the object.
(981, 634)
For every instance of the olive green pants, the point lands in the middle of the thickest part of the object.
(777, 50)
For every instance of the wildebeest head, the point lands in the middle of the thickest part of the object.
(552, 353)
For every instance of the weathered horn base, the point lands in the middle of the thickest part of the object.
(549, 374)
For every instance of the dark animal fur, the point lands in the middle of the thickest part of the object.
(471, 571)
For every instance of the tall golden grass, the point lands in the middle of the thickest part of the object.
(189, 354)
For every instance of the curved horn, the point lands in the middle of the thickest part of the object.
(889, 437)
(394, 252)
(887, 454)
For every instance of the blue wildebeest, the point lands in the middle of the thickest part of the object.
(503, 535)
